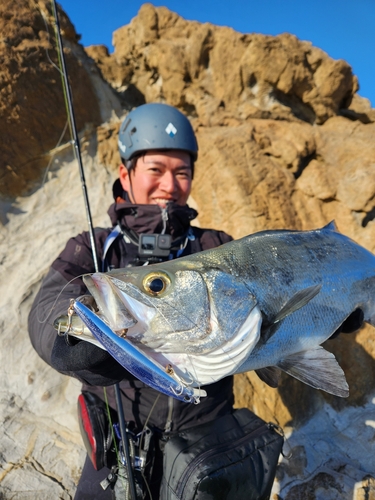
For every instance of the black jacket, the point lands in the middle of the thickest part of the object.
(95, 367)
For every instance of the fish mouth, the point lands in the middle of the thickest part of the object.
(121, 311)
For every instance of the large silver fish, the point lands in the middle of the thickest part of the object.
(264, 302)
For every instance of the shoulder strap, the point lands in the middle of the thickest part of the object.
(116, 231)
(195, 243)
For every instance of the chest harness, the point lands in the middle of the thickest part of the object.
(131, 237)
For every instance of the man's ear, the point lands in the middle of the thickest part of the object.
(124, 178)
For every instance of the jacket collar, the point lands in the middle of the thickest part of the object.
(149, 218)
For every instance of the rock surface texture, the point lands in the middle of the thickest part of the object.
(285, 142)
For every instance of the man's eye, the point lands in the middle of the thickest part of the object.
(184, 175)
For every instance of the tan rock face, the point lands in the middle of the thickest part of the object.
(209, 71)
(284, 142)
(32, 108)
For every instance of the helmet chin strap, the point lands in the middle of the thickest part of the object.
(133, 200)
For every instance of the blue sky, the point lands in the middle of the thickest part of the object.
(345, 29)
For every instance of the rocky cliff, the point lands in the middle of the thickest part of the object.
(285, 142)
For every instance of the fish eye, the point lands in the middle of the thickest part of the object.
(156, 283)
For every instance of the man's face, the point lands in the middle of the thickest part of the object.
(159, 178)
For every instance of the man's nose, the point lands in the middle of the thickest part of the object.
(168, 182)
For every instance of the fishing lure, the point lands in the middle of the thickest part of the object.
(164, 380)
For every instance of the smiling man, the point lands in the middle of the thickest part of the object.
(150, 222)
(159, 178)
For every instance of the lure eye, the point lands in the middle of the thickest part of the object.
(156, 283)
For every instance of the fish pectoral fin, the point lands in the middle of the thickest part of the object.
(317, 368)
(299, 299)
(270, 375)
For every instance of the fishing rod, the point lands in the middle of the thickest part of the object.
(74, 134)
(77, 152)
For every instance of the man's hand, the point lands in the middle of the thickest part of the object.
(86, 362)
(352, 323)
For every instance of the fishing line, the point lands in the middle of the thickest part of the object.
(112, 427)
(61, 74)
(48, 36)
(54, 153)
(41, 321)
(77, 152)
(142, 437)
(52, 157)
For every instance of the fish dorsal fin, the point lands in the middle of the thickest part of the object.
(270, 375)
(299, 299)
(317, 368)
(331, 226)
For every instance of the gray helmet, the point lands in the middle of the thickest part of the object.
(156, 126)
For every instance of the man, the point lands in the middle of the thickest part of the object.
(158, 150)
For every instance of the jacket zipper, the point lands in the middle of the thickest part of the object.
(210, 454)
(164, 218)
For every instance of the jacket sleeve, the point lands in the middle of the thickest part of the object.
(224, 237)
(62, 283)
(210, 238)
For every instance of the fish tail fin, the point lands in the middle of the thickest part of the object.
(317, 368)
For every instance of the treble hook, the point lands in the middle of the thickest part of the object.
(70, 314)
(178, 390)
(186, 383)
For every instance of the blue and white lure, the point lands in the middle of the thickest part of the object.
(150, 372)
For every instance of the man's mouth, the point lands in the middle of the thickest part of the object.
(163, 201)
